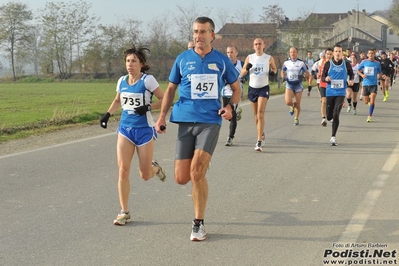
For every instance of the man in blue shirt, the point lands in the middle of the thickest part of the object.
(199, 75)
(335, 74)
(370, 71)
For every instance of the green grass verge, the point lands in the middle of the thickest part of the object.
(28, 108)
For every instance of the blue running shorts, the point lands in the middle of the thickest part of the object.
(138, 136)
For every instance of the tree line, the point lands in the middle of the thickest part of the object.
(65, 38)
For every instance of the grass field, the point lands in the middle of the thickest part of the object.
(34, 108)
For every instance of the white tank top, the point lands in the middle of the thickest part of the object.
(259, 73)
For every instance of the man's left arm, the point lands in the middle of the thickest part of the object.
(272, 65)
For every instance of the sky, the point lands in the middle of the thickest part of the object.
(145, 10)
(110, 11)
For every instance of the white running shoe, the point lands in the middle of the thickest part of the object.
(198, 232)
(122, 218)
(161, 174)
(333, 141)
(229, 142)
(348, 110)
(258, 146)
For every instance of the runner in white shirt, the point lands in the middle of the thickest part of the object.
(293, 71)
(259, 66)
(309, 61)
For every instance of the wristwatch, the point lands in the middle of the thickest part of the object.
(233, 106)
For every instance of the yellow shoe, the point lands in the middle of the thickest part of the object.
(369, 119)
(387, 94)
(385, 99)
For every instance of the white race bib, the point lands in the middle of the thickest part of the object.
(130, 100)
(204, 86)
(337, 84)
(292, 76)
(259, 69)
(369, 71)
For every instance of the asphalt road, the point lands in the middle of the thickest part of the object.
(294, 203)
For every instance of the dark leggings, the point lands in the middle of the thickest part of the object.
(233, 120)
(334, 106)
(391, 77)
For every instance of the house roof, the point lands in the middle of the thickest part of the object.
(360, 30)
(321, 20)
(326, 19)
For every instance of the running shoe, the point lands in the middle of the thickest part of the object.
(296, 121)
(333, 141)
(361, 97)
(368, 119)
(238, 112)
(348, 110)
(229, 142)
(161, 174)
(324, 122)
(385, 99)
(291, 110)
(354, 112)
(122, 218)
(198, 232)
(387, 94)
(258, 146)
(263, 139)
(308, 93)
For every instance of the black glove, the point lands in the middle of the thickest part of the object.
(242, 80)
(248, 67)
(271, 73)
(104, 120)
(142, 110)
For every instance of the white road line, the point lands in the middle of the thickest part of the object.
(362, 214)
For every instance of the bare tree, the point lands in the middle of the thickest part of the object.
(67, 26)
(393, 14)
(32, 49)
(305, 31)
(160, 35)
(272, 14)
(185, 19)
(222, 15)
(14, 26)
(55, 43)
(109, 43)
(81, 26)
(244, 15)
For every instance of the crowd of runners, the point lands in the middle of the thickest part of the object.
(209, 86)
(342, 77)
